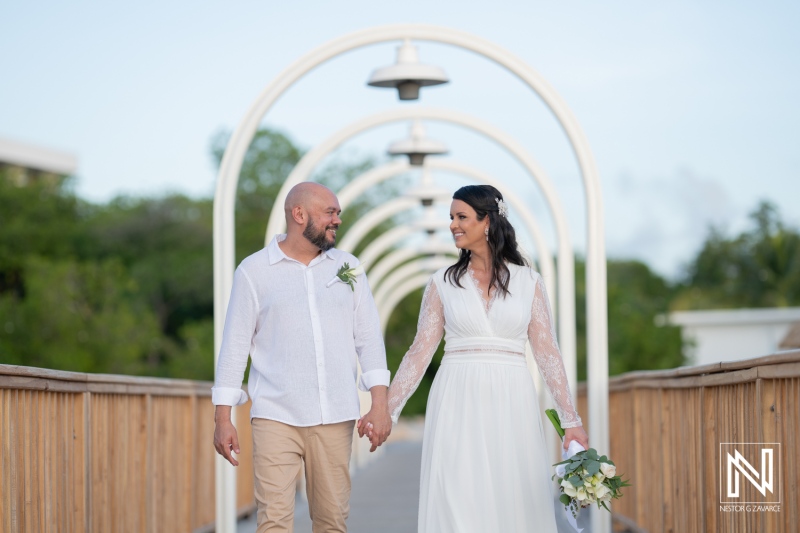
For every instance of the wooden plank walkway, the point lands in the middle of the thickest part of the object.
(385, 496)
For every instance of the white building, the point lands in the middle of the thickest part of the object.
(735, 334)
(25, 163)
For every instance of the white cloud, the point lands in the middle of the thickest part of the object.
(664, 220)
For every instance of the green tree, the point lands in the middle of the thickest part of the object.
(86, 317)
(636, 296)
(758, 268)
(37, 219)
(165, 243)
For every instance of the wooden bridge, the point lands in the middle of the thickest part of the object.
(101, 453)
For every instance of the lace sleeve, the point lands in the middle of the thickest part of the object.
(430, 329)
(542, 337)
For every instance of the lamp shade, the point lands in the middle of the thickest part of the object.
(417, 146)
(407, 74)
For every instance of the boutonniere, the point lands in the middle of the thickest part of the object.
(347, 275)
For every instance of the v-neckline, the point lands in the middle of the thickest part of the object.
(486, 305)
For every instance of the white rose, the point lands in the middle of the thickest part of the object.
(581, 494)
(608, 470)
(601, 490)
(569, 489)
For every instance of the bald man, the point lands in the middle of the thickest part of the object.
(304, 329)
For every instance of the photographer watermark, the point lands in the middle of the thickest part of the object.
(749, 475)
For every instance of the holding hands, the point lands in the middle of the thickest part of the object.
(376, 425)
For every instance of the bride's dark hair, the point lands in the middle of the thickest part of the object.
(502, 238)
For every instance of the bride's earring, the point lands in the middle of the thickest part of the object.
(486, 232)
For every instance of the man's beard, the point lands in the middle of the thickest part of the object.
(319, 238)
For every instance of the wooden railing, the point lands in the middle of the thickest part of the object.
(666, 431)
(98, 453)
(101, 453)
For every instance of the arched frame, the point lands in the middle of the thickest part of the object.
(377, 175)
(566, 264)
(224, 202)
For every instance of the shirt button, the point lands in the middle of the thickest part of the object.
(322, 388)
(320, 363)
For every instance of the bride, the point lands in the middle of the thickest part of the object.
(485, 466)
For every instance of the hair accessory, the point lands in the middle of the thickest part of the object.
(502, 206)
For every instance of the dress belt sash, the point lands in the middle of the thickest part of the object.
(484, 344)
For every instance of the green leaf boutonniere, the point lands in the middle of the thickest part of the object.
(347, 275)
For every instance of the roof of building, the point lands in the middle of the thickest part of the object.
(792, 338)
(722, 317)
(36, 157)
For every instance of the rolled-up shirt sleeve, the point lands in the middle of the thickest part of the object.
(368, 338)
(237, 337)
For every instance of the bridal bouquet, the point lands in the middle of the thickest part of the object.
(584, 477)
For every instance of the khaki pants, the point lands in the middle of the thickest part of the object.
(279, 451)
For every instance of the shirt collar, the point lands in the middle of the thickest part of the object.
(276, 254)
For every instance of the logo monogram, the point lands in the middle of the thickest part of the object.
(736, 466)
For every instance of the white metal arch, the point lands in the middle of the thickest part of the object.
(375, 217)
(224, 202)
(365, 224)
(385, 241)
(402, 290)
(566, 262)
(379, 271)
(377, 175)
(546, 264)
(422, 264)
(370, 178)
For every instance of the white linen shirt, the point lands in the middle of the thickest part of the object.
(303, 337)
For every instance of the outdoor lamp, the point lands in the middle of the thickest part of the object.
(427, 192)
(417, 146)
(407, 74)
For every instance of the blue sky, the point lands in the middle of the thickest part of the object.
(691, 108)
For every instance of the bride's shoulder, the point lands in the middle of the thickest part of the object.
(523, 275)
(522, 270)
(438, 276)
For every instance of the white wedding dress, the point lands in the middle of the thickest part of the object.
(485, 468)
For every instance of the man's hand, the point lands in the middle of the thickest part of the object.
(377, 424)
(576, 434)
(225, 439)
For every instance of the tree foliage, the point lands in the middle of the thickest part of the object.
(758, 268)
(126, 286)
(636, 296)
(82, 316)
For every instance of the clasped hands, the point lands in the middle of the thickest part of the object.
(376, 425)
